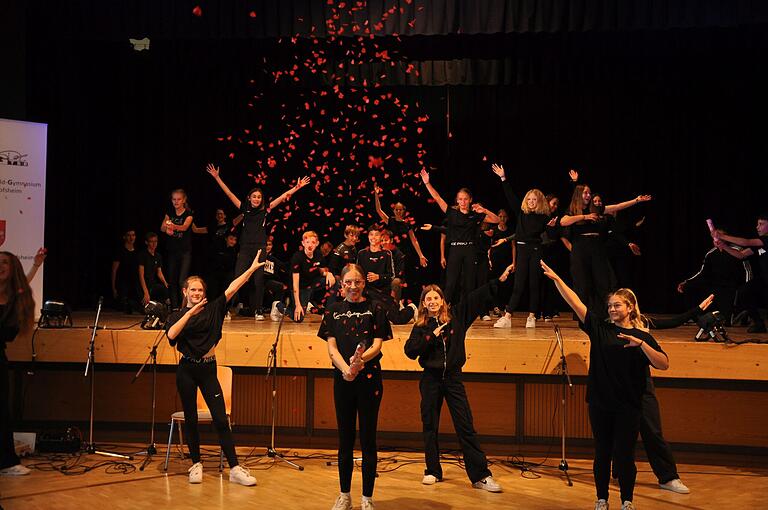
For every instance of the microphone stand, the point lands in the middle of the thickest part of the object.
(151, 448)
(272, 370)
(90, 446)
(566, 384)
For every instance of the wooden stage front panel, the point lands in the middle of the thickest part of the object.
(713, 396)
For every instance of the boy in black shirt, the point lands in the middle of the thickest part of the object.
(345, 252)
(311, 281)
(153, 285)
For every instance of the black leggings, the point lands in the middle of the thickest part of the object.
(593, 277)
(189, 377)
(8, 456)
(244, 260)
(434, 387)
(615, 433)
(460, 267)
(178, 270)
(527, 270)
(358, 400)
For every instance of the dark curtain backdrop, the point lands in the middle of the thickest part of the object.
(665, 98)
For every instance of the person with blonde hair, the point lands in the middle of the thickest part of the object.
(177, 224)
(620, 352)
(437, 340)
(195, 331)
(531, 224)
(17, 317)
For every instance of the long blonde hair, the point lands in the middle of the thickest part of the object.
(637, 319)
(443, 316)
(20, 308)
(542, 206)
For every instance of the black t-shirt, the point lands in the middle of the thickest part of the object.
(217, 234)
(179, 242)
(151, 264)
(202, 331)
(254, 224)
(617, 374)
(128, 268)
(378, 262)
(352, 323)
(308, 268)
(589, 227)
(462, 228)
(399, 231)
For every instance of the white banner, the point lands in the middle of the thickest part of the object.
(22, 194)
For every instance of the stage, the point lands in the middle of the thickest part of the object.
(714, 397)
(398, 487)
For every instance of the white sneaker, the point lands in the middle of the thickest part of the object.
(228, 317)
(601, 504)
(675, 485)
(488, 484)
(258, 317)
(343, 502)
(530, 322)
(429, 480)
(241, 475)
(196, 473)
(503, 322)
(486, 317)
(627, 505)
(274, 313)
(367, 504)
(17, 470)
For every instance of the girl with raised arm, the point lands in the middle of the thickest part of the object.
(619, 354)
(195, 330)
(437, 340)
(531, 224)
(253, 237)
(593, 277)
(463, 223)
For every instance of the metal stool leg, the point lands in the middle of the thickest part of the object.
(168, 450)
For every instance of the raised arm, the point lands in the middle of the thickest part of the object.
(285, 196)
(240, 280)
(509, 193)
(568, 294)
(377, 203)
(37, 262)
(178, 326)
(741, 241)
(214, 171)
(612, 208)
(433, 192)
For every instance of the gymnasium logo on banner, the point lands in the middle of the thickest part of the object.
(22, 193)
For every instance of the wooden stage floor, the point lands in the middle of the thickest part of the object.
(398, 487)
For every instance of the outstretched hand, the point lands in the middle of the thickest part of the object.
(574, 175)
(631, 340)
(424, 176)
(302, 182)
(707, 301)
(256, 264)
(40, 256)
(426, 226)
(213, 170)
(198, 307)
(643, 198)
(549, 272)
(498, 170)
(510, 269)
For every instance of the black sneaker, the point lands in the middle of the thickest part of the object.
(758, 327)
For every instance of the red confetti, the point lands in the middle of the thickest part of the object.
(197, 11)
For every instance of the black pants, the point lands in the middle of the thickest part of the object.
(244, 260)
(615, 434)
(274, 290)
(656, 447)
(178, 270)
(189, 377)
(527, 270)
(751, 296)
(391, 307)
(359, 400)
(593, 277)
(315, 293)
(460, 270)
(8, 455)
(725, 296)
(434, 388)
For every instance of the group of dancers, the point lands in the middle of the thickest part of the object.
(360, 296)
